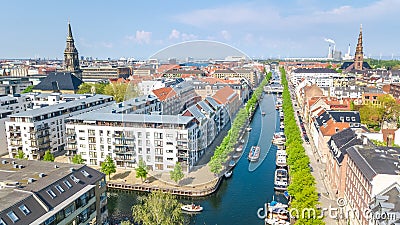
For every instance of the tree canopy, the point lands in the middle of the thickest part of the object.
(48, 156)
(177, 174)
(108, 166)
(28, 89)
(141, 170)
(77, 159)
(20, 154)
(158, 208)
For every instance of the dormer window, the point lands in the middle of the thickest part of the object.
(2, 222)
(12, 216)
(59, 188)
(67, 183)
(51, 193)
(24, 209)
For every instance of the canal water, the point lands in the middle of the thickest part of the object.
(239, 197)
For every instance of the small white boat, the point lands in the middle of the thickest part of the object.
(192, 208)
(228, 174)
(232, 163)
(248, 129)
(263, 113)
(240, 148)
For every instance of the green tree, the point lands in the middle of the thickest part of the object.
(20, 154)
(48, 156)
(28, 89)
(77, 159)
(158, 208)
(121, 91)
(141, 170)
(177, 174)
(108, 166)
(85, 88)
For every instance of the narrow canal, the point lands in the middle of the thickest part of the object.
(239, 197)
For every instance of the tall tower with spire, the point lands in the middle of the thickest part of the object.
(71, 58)
(359, 55)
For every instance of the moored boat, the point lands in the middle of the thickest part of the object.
(254, 153)
(281, 161)
(277, 214)
(232, 163)
(239, 148)
(192, 208)
(281, 179)
(228, 174)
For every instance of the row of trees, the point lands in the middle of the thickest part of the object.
(222, 151)
(302, 186)
(119, 90)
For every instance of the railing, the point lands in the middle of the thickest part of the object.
(173, 190)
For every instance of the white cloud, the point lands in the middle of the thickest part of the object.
(141, 37)
(188, 37)
(225, 35)
(175, 34)
(254, 15)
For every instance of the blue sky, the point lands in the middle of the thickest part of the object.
(260, 28)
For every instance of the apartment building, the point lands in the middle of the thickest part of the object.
(105, 72)
(336, 165)
(369, 171)
(322, 77)
(48, 193)
(38, 130)
(175, 99)
(8, 105)
(252, 76)
(160, 140)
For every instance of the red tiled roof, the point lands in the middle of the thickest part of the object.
(222, 95)
(164, 93)
(333, 127)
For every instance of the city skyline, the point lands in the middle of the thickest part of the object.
(261, 29)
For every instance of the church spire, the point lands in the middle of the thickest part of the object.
(69, 36)
(71, 57)
(359, 55)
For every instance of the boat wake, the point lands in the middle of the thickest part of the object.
(264, 142)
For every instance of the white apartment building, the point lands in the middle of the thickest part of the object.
(8, 105)
(322, 77)
(37, 130)
(160, 140)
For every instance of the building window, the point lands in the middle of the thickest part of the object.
(12, 216)
(2, 222)
(24, 209)
(59, 188)
(67, 183)
(51, 193)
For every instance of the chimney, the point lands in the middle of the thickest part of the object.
(365, 141)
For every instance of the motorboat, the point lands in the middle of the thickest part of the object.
(282, 125)
(254, 153)
(279, 138)
(239, 148)
(281, 179)
(228, 174)
(281, 161)
(281, 152)
(277, 214)
(248, 129)
(232, 163)
(192, 208)
(263, 113)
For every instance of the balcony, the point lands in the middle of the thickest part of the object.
(12, 138)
